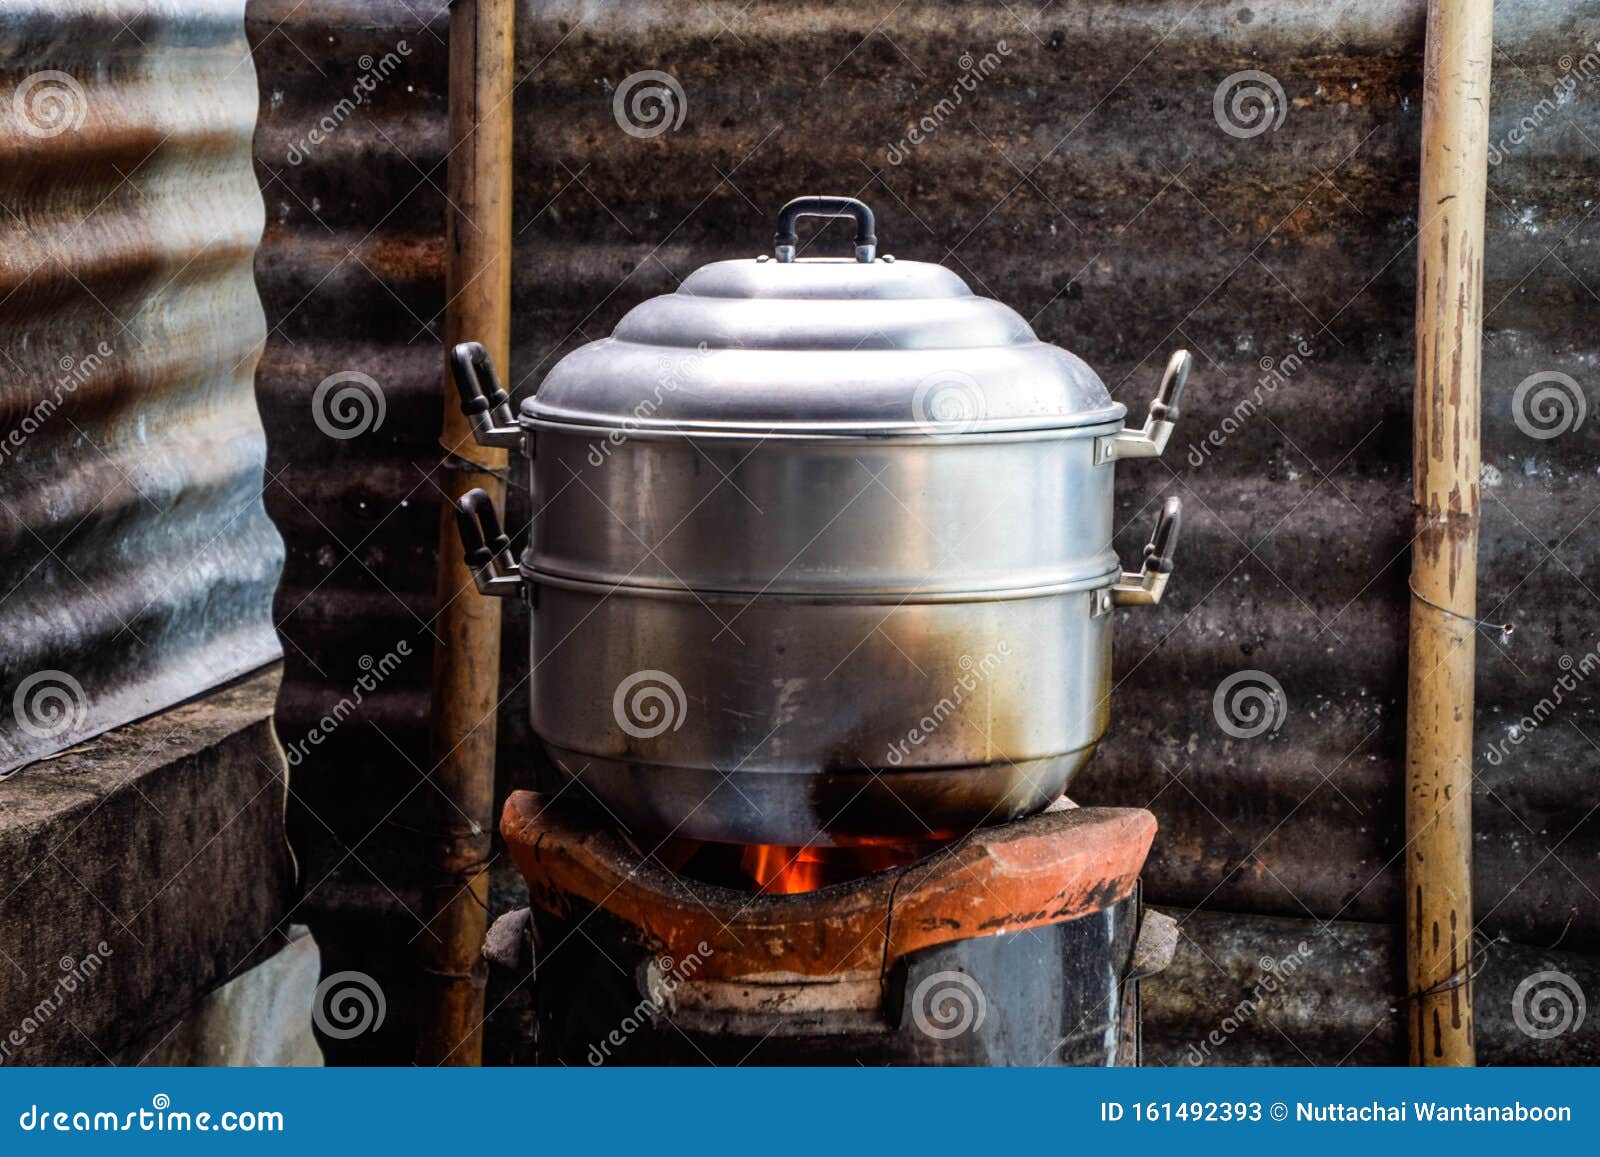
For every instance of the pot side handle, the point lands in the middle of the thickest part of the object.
(486, 547)
(1151, 440)
(1145, 586)
(483, 400)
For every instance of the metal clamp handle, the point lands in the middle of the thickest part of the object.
(1145, 586)
(486, 547)
(1151, 440)
(486, 405)
(786, 240)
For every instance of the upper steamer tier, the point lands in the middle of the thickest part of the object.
(861, 428)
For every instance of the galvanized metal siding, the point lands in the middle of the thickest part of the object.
(1087, 181)
(351, 272)
(137, 564)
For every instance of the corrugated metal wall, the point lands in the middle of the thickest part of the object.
(137, 565)
(1087, 176)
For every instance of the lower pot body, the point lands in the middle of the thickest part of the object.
(788, 720)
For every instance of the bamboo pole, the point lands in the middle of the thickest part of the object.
(1444, 560)
(466, 662)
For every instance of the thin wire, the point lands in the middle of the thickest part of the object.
(1505, 629)
(454, 461)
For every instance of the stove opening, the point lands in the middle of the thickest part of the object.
(782, 870)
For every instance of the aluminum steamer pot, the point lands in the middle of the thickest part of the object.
(821, 551)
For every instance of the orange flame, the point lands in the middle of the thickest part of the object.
(782, 871)
(785, 871)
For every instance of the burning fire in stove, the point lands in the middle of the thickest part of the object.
(786, 870)
(776, 870)
(783, 871)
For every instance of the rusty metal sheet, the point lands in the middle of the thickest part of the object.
(137, 564)
(1265, 990)
(1087, 181)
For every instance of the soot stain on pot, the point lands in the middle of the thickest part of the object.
(859, 793)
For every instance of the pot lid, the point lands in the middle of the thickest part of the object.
(862, 345)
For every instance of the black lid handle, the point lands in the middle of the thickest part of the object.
(786, 241)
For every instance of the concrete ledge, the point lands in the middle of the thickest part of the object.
(140, 871)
